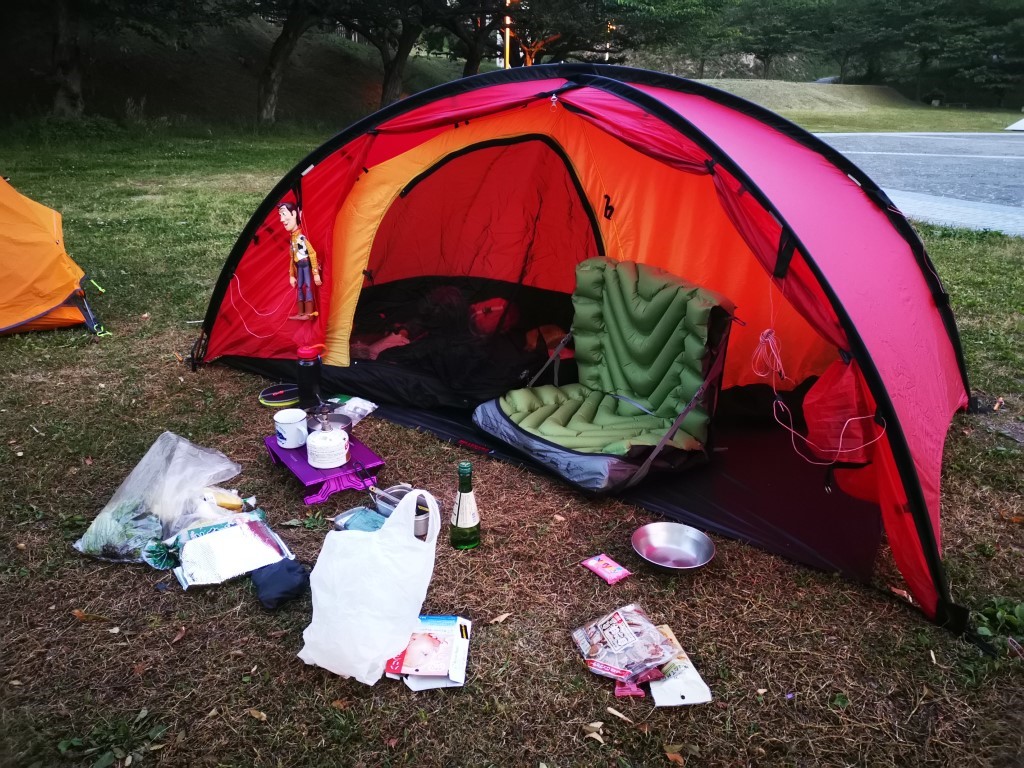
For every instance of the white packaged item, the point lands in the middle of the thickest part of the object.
(229, 551)
(682, 683)
(436, 655)
(356, 408)
(327, 448)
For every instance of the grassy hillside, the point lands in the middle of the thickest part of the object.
(819, 107)
(782, 96)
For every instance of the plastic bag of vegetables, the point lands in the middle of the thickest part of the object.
(120, 532)
(162, 495)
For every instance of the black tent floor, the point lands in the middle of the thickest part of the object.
(755, 489)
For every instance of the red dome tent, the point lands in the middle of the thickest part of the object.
(500, 184)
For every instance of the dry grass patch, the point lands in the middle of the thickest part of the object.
(805, 668)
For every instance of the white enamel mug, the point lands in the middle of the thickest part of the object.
(290, 425)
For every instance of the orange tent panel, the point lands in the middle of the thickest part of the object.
(36, 274)
(646, 228)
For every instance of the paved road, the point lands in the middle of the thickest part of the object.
(973, 180)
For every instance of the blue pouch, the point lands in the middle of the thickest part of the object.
(280, 582)
(359, 519)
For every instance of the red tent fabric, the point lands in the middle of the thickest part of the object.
(653, 161)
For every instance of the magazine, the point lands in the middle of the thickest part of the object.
(436, 655)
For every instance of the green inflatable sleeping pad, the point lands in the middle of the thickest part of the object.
(642, 338)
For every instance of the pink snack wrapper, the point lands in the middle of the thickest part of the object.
(651, 674)
(606, 568)
(625, 688)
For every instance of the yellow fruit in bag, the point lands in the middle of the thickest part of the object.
(222, 498)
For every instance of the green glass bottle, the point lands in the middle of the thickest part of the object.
(465, 528)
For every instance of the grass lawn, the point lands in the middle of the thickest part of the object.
(921, 119)
(818, 107)
(806, 669)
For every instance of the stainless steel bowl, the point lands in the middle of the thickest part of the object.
(673, 545)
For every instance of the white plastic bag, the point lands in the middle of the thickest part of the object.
(368, 589)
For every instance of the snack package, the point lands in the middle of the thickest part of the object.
(628, 689)
(229, 500)
(606, 568)
(681, 684)
(356, 408)
(623, 644)
(652, 674)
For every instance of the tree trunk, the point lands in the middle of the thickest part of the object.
(474, 56)
(475, 39)
(844, 62)
(873, 68)
(67, 62)
(766, 62)
(299, 20)
(923, 60)
(534, 52)
(700, 67)
(391, 88)
(394, 62)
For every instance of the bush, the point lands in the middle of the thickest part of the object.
(56, 130)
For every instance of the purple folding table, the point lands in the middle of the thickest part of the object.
(359, 473)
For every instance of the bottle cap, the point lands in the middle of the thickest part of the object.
(465, 467)
(311, 352)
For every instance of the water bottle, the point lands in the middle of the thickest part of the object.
(309, 376)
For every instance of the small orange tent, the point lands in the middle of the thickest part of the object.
(40, 285)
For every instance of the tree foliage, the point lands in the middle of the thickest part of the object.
(771, 29)
(469, 29)
(932, 47)
(929, 48)
(166, 21)
(558, 29)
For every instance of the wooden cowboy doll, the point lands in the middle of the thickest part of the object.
(303, 269)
